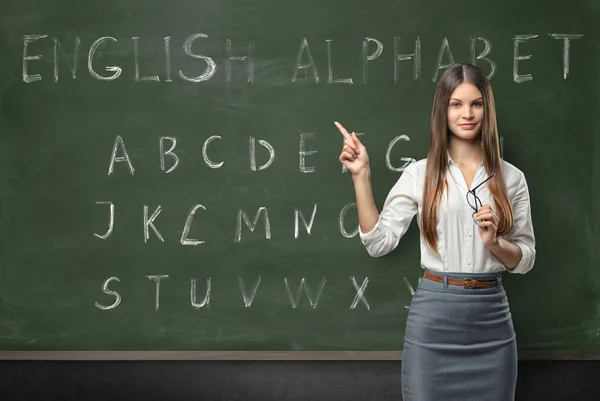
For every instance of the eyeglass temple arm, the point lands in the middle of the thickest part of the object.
(481, 183)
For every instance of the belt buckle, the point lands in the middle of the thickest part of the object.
(469, 283)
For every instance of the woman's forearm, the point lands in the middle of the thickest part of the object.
(367, 211)
(506, 252)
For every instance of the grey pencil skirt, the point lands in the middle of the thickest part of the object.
(459, 343)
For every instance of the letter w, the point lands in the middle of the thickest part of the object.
(296, 301)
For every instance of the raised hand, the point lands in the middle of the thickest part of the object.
(354, 155)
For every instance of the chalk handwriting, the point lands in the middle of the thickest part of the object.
(295, 297)
(168, 59)
(252, 147)
(212, 164)
(295, 301)
(408, 56)
(136, 60)
(149, 222)
(341, 221)
(360, 293)
(157, 279)
(305, 67)
(119, 154)
(117, 70)
(168, 153)
(371, 50)
(109, 292)
(330, 79)
(248, 300)
(251, 226)
(516, 58)
(407, 160)
(566, 49)
(249, 61)
(27, 39)
(305, 136)
(366, 57)
(211, 66)
(186, 229)
(117, 159)
(444, 49)
(73, 67)
(483, 55)
(298, 214)
(111, 220)
(193, 298)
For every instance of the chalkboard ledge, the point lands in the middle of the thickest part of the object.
(258, 355)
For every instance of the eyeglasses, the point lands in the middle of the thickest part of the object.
(474, 201)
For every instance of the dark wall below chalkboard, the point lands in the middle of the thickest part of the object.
(265, 381)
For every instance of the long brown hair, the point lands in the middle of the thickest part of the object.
(437, 157)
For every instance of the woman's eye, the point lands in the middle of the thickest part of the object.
(478, 104)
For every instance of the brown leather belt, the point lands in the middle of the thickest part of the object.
(467, 282)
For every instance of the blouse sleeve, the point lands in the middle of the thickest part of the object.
(522, 232)
(398, 210)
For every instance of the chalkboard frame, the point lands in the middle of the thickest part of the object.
(260, 355)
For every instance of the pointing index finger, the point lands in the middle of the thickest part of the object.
(343, 131)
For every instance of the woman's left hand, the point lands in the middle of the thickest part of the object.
(486, 217)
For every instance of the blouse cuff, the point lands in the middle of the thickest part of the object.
(372, 236)
(525, 263)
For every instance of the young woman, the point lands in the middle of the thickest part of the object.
(474, 216)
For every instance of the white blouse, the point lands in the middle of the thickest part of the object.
(459, 243)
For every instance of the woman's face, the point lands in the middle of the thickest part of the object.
(465, 111)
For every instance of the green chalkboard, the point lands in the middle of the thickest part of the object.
(189, 147)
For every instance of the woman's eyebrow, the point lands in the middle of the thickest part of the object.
(458, 100)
